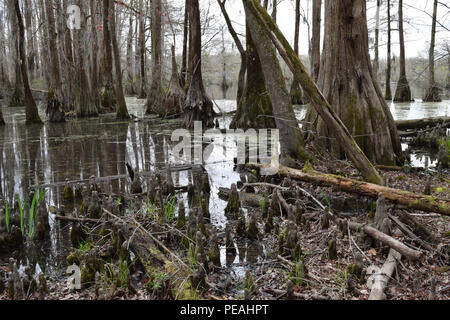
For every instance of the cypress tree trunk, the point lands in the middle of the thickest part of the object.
(129, 86)
(108, 99)
(55, 98)
(316, 34)
(143, 77)
(84, 101)
(173, 101)
(155, 97)
(388, 93)
(348, 83)
(291, 139)
(403, 92)
(197, 106)
(122, 112)
(377, 39)
(31, 110)
(296, 91)
(432, 93)
(94, 71)
(254, 109)
(184, 73)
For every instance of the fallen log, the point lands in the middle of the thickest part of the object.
(398, 246)
(422, 123)
(381, 279)
(416, 227)
(406, 198)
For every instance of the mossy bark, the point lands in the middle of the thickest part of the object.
(316, 97)
(291, 138)
(348, 82)
(254, 109)
(403, 91)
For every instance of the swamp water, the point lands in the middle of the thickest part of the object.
(100, 147)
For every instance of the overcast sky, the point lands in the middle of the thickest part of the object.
(417, 22)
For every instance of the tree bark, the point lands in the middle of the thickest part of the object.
(55, 97)
(316, 35)
(291, 138)
(129, 86)
(347, 80)
(432, 93)
(254, 108)
(143, 76)
(409, 199)
(108, 97)
(318, 101)
(296, 91)
(197, 106)
(377, 39)
(184, 71)
(94, 72)
(31, 110)
(155, 97)
(173, 101)
(84, 99)
(122, 112)
(403, 91)
(388, 92)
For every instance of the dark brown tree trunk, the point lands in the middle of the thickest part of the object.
(94, 71)
(30, 43)
(316, 35)
(243, 53)
(296, 91)
(155, 97)
(55, 98)
(122, 112)
(291, 138)
(388, 93)
(432, 93)
(348, 82)
(156, 17)
(31, 110)
(254, 109)
(108, 98)
(184, 73)
(197, 106)
(84, 99)
(129, 86)
(403, 92)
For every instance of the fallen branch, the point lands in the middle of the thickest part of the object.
(381, 279)
(409, 199)
(422, 123)
(387, 240)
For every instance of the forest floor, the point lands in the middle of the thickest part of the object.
(263, 268)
